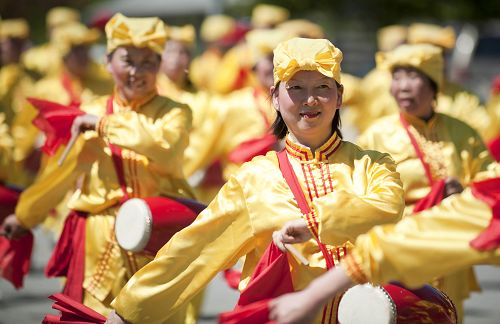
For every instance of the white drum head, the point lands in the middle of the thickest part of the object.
(133, 225)
(366, 304)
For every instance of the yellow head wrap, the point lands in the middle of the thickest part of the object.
(390, 37)
(138, 32)
(304, 54)
(431, 34)
(215, 27)
(265, 15)
(185, 34)
(14, 28)
(424, 57)
(59, 16)
(262, 42)
(73, 34)
(302, 28)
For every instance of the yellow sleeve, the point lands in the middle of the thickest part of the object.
(220, 235)
(421, 247)
(53, 183)
(376, 197)
(158, 140)
(6, 145)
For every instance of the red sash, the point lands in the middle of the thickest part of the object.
(68, 87)
(293, 183)
(436, 193)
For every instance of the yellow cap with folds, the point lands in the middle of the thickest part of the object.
(305, 54)
(215, 27)
(185, 34)
(73, 34)
(431, 34)
(59, 16)
(426, 58)
(267, 16)
(138, 32)
(390, 37)
(262, 42)
(302, 28)
(14, 28)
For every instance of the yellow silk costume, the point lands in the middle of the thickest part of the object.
(431, 243)
(356, 189)
(153, 135)
(451, 148)
(15, 83)
(6, 145)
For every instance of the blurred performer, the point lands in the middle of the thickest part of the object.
(14, 81)
(432, 150)
(268, 16)
(40, 59)
(78, 80)
(215, 33)
(130, 144)
(435, 242)
(307, 94)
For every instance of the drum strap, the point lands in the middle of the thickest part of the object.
(292, 181)
(419, 152)
(116, 155)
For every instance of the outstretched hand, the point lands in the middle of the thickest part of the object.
(12, 229)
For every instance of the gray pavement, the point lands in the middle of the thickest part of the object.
(29, 304)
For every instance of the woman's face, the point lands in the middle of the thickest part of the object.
(264, 71)
(175, 61)
(134, 71)
(307, 103)
(413, 91)
(77, 60)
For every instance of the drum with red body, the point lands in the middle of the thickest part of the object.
(146, 224)
(393, 303)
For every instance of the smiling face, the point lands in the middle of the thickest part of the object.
(413, 91)
(134, 71)
(307, 104)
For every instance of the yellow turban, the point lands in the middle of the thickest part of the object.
(14, 28)
(73, 34)
(431, 34)
(302, 28)
(424, 57)
(262, 42)
(390, 37)
(266, 16)
(215, 27)
(305, 54)
(138, 32)
(185, 34)
(59, 16)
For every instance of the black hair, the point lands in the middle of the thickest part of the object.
(280, 129)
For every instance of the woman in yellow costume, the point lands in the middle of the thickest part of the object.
(131, 145)
(356, 188)
(432, 243)
(427, 146)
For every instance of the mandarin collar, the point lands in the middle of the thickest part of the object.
(304, 153)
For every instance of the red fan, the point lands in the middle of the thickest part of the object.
(55, 121)
(15, 256)
(270, 279)
(72, 312)
(489, 192)
(494, 147)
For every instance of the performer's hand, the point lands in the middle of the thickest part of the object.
(12, 229)
(296, 307)
(114, 318)
(84, 123)
(295, 231)
(452, 186)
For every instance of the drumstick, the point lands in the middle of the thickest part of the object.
(67, 148)
(296, 253)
